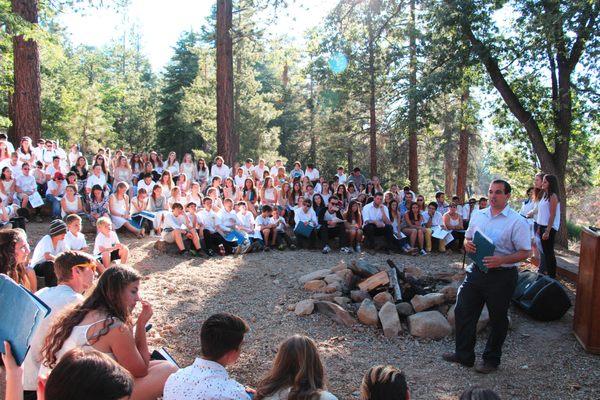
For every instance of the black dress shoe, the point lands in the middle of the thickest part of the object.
(485, 368)
(451, 357)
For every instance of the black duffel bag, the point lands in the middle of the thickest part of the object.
(540, 296)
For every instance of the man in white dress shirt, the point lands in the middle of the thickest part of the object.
(219, 169)
(221, 338)
(376, 222)
(511, 236)
(431, 219)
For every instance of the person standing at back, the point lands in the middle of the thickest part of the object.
(548, 222)
(493, 287)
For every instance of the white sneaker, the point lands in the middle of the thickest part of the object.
(423, 252)
(345, 250)
(326, 249)
(246, 247)
(358, 249)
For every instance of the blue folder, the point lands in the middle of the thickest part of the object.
(21, 312)
(485, 248)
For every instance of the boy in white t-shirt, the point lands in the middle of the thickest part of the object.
(74, 238)
(107, 245)
(267, 227)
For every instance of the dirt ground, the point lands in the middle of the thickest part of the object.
(540, 360)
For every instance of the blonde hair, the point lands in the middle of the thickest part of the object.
(103, 221)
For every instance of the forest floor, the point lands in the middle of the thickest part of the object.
(540, 360)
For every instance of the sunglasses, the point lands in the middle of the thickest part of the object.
(89, 265)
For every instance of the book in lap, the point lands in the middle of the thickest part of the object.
(21, 312)
(162, 354)
(485, 248)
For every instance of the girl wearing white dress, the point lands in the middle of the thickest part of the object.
(118, 204)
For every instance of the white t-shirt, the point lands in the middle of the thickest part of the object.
(274, 171)
(52, 185)
(75, 242)
(262, 221)
(45, 246)
(26, 183)
(208, 219)
(173, 222)
(222, 171)
(148, 187)
(239, 180)
(259, 172)
(437, 218)
(57, 298)
(95, 180)
(372, 213)
(105, 241)
(227, 220)
(313, 174)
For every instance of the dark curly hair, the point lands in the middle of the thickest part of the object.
(8, 262)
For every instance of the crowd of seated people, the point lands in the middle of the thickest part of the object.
(220, 209)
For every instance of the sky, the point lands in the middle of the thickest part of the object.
(161, 22)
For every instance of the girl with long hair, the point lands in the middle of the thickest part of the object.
(548, 223)
(188, 168)
(25, 151)
(123, 172)
(250, 195)
(119, 206)
(317, 203)
(167, 184)
(136, 164)
(194, 195)
(342, 195)
(4, 154)
(297, 373)
(172, 165)
(268, 193)
(104, 322)
(183, 183)
(296, 195)
(157, 204)
(453, 222)
(230, 191)
(157, 164)
(98, 204)
(354, 223)
(203, 173)
(414, 229)
(81, 170)
(283, 195)
(14, 254)
(7, 186)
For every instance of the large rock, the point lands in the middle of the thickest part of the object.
(379, 279)
(335, 312)
(363, 268)
(320, 274)
(358, 296)
(341, 300)
(405, 309)
(333, 287)
(346, 276)
(332, 278)
(429, 325)
(414, 271)
(390, 321)
(325, 296)
(304, 307)
(315, 286)
(381, 298)
(450, 291)
(421, 303)
(340, 266)
(482, 322)
(367, 313)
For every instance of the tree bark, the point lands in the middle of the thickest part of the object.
(312, 152)
(372, 102)
(225, 116)
(463, 150)
(413, 155)
(449, 160)
(26, 107)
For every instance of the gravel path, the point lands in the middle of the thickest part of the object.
(541, 360)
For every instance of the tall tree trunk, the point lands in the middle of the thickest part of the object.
(463, 149)
(312, 153)
(225, 133)
(413, 155)
(449, 159)
(350, 158)
(372, 103)
(27, 114)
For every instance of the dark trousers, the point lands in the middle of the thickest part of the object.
(213, 240)
(459, 238)
(327, 232)
(307, 242)
(494, 288)
(29, 395)
(46, 269)
(284, 238)
(549, 264)
(371, 230)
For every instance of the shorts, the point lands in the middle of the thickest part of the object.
(114, 255)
